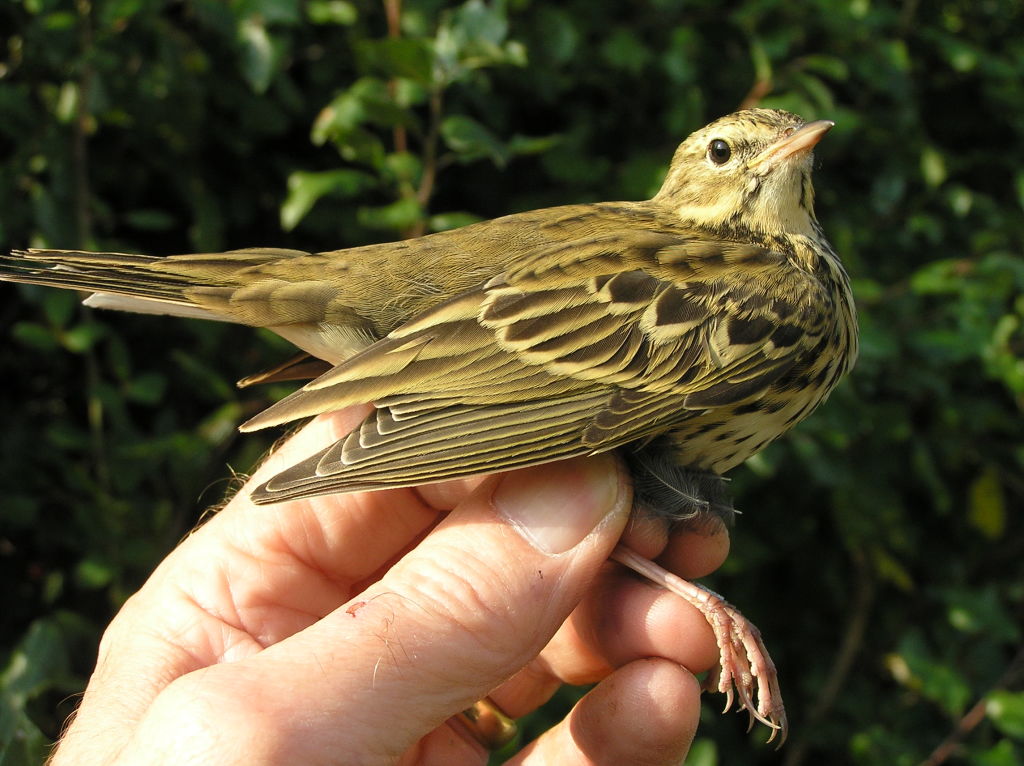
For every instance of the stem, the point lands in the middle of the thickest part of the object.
(757, 91)
(853, 639)
(429, 178)
(907, 14)
(80, 162)
(83, 231)
(393, 12)
(951, 744)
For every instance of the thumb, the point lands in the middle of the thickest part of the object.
(462, 612)
(485, 592)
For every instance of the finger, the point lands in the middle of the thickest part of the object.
(644, 713)
(346, 539)
(621, 620)
(625, 618)
(629, 619)
(696, 552)
(250, 577)
(475, 601)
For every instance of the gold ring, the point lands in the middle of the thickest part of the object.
(488, 724)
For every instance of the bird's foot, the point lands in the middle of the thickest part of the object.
(744, 669)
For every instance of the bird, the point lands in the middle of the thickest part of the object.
(688, 331)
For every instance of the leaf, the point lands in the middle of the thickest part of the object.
(624, 50)
(150, 220)
(34, 335)
(1001, 754)
(472, 141)
(396, 216)
(678, 60)
(367, 100)
(961, 200)
(114, 13)
(83, 337)
(520, 145)
(473, 37)
(331, 12)
(986, 505)
(220, 427)
(934, 679)
(559, 37)
(206, 376)
(889, 568)
(980, 611)
(818, 91)
(940, 277)
(344, 113)
(94, 573)
(60, 20)
(830, 66)
(397, 57)
(306, 188)
(887, 191)
(285, 12)
(480, 22)
(147, 388)
(703, 752)
(455, 220)
(1006, 709)
(933, 167)
(257, 54)
(59, 305)
(404, 166)
(36, 661)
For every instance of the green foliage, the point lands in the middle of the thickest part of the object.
(882, 547)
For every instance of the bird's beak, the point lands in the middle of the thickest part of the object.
(801, 140)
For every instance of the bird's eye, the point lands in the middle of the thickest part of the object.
(719, 151)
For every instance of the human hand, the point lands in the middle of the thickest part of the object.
(350, 629)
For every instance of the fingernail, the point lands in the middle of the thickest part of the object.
(556, 506)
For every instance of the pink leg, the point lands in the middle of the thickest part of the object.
(744, 659)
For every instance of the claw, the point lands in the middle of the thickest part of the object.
(744, 666)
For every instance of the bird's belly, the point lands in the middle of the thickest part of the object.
(723, 438)
(331, 342)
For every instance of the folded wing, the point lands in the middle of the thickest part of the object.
(581, 348)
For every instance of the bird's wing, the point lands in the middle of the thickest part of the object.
(581, 348)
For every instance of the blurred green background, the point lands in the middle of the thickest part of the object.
(881, 548)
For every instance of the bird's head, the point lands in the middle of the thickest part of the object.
(747, 172)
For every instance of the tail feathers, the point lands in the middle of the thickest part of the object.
(140, 305)
(119, 273)
(138, 283)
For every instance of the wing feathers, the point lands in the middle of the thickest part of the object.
(439, 450)
(553, 359)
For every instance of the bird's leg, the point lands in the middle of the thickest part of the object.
(744, 666)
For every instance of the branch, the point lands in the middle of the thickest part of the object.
(430, 164)
(80, 157)
(83, 230)
(393, 12)
(853, 638)
(758, 91)
(975, 715)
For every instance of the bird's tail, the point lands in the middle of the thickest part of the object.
(177, 285)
